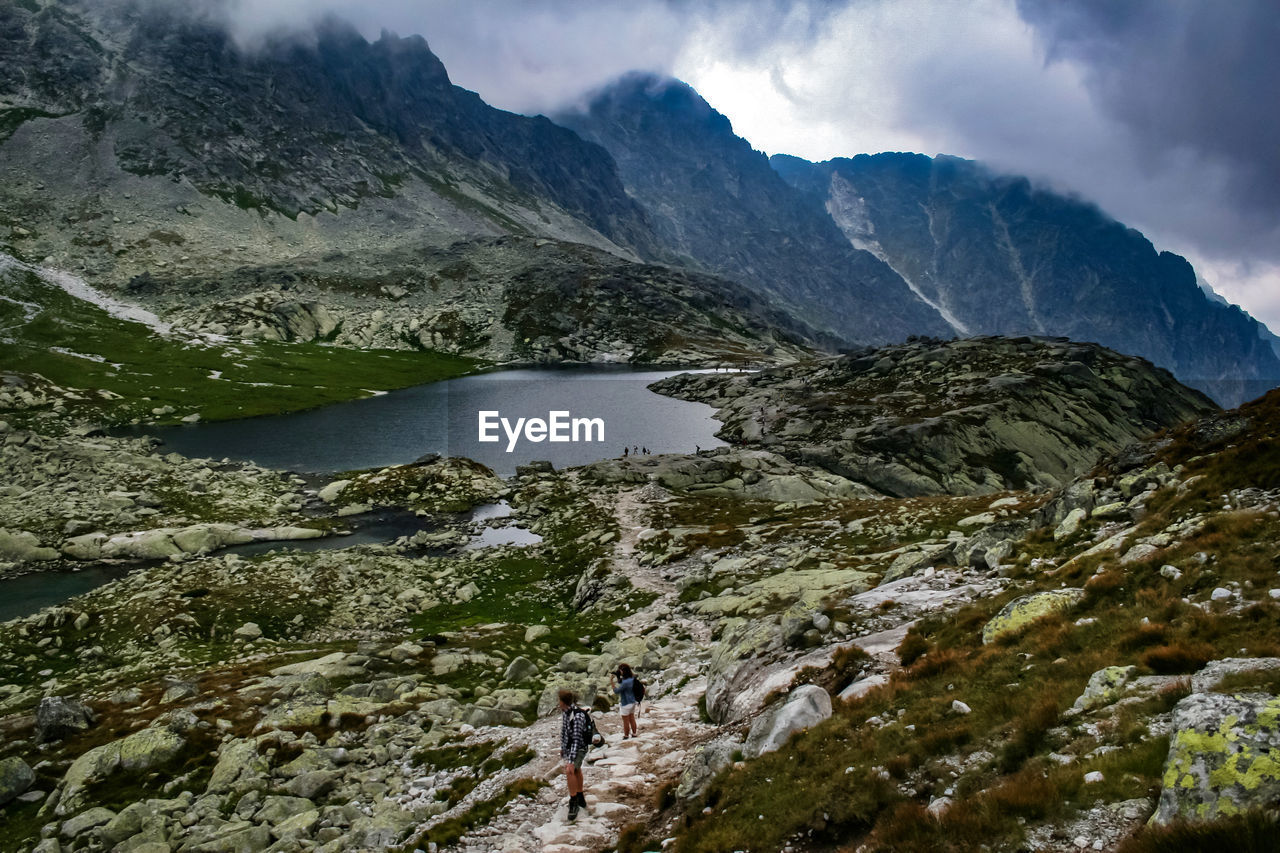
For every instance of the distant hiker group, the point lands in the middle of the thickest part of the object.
(634, 450)
(578, 732)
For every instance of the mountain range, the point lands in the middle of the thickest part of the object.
(144, 148)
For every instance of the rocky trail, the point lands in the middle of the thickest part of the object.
(622, 780)
(622, 777)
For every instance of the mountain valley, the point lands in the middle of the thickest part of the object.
(983, 559)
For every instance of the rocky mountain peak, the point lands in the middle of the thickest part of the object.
(639, 98)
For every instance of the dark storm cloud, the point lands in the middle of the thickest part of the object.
(536, 56)
(1182, 76)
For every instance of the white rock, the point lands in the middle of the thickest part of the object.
(330, 492)
(939, 807)
(807, 706)
(960, 707)
(1220, 594)
(1070, 524)
(1093, 777)
(248, 631)
(863, 686)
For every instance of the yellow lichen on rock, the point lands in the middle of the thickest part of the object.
(1021, 612)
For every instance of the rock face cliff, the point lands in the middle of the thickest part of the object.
(718, 204)
(880, 246)
(998, 255)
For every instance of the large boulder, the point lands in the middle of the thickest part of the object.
(1115, 684)
(1224, 757)
(705, 763)
(912, 561)
(277, 810)
(1105, 686)
(203, 538)
(1021, 612)
(141, 545)
(303, 321)
(520, 669)
(739, 659)
(86, 821)
(60, 716)
(15, 778)
(336, 665)
(807, 706)
(1214, 672)
(143, 750)
(140, 823)
(87, 546)
(23, 547)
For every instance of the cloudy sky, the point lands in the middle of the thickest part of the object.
(1161, 111)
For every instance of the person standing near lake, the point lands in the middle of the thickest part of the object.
(625, 686)
(573, 748)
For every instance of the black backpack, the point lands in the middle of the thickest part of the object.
(589, 731)
(637, 689)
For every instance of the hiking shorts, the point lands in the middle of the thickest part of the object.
(629, 710)
(579, 757)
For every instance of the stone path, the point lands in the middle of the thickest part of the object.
(621, 781)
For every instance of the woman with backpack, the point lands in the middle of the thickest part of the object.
(630, 691)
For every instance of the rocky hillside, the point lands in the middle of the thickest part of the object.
(719, 205)
(828, 668)
(329, 189)
(999, 256)
(325, 139)
(964, 417)
(503, 299)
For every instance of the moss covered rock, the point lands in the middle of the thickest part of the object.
(144, 750)
(1105, 686)
(1021, 612)
(1224, 757)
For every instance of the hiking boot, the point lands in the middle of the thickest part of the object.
(582, 799)
(573, 807)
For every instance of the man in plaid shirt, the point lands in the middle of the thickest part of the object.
(573, 749)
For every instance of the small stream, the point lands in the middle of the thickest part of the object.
(27, 594)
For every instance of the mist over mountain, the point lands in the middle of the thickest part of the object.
(940, 243)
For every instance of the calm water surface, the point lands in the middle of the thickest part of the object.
(442, 417)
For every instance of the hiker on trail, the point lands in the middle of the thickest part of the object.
(573, 748)
(625, 686)
(625, 452)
